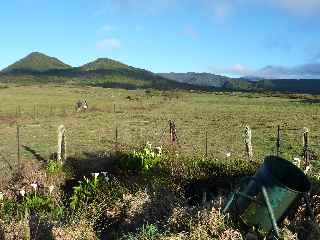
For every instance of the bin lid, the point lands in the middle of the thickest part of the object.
(287, 174)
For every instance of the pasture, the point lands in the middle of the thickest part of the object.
(125, 120)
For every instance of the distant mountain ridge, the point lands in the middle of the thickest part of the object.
(199, 79)
(38, 68)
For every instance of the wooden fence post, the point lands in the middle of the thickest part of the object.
(62, 144)
(173, 132)
(306, 146)
(34, 112)
(247, 140)
(116, 137)
(18, 147)
(278, 141)
(206, 144)
(18, 111)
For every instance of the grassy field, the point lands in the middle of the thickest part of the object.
(142, 116)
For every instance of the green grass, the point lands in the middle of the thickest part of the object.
(146, 119)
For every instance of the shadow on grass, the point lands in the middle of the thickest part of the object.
(34, 153)
(2, 236)
(310, 101)
(39, 230)
(157, 199)
(218, 177)
(91, 162)
(155, 207)
(163, 191)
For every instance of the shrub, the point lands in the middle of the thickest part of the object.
(53, 167)
(34, 203)
(143, 160)
(31, 203)
(8, 207)
(85, 191)
(148, 232)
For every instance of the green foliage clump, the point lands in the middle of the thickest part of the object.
(35, 203)
(53, 167)
(230, 168)
(143, 160)
(28, 204)
(8, 207)
(146, 232)
(84, 192)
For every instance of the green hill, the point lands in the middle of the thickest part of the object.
(104, 63)
(36, 62)
(38, 68)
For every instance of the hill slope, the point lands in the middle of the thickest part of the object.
(200, 79)
(38, 68)
(36, 62)
(105, 64)
(104, 72)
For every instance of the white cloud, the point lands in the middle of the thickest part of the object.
(237, 70)
(224, 9)
(109, 44)
(107, 28)
(299, 6)
(316, 57)
(190, 31)
(310, 70)
(221, 10)
(138, 6)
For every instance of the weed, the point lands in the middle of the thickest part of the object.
(84, 192)
(35, 203)
(29, 204)
(143, 160)
(8, 207)
(53, 167)
(146, 232)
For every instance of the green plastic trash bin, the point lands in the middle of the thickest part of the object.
(279, 182)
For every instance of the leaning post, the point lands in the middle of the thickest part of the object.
(306, 146)
(278, 141)
(62, 145)
(248, 141)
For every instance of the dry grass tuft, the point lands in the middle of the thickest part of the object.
(78, 231)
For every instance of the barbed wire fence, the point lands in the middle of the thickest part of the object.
(200, 141)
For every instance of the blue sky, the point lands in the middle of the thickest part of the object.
(274, 38)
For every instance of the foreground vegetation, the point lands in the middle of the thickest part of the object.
(135, 184)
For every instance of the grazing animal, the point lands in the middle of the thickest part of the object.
(81, 105)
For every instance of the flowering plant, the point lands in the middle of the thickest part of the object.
(144, 159)
(85, 191)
